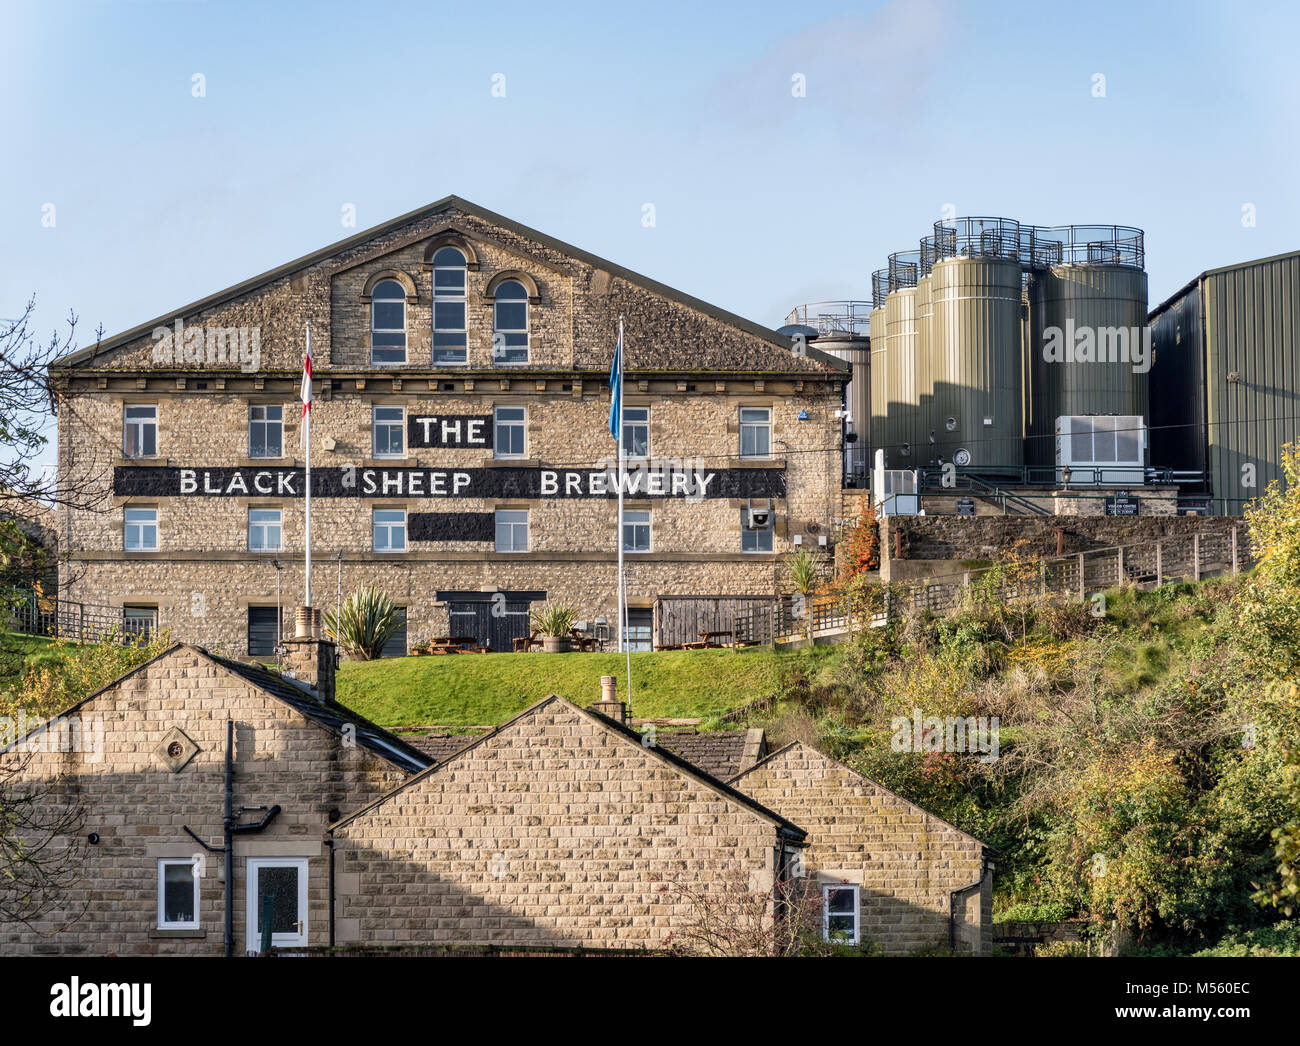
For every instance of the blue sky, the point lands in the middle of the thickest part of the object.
(762, 199)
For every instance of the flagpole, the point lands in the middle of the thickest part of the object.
(306, 420)
(622, 637)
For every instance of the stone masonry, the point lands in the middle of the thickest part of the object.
(905, 861)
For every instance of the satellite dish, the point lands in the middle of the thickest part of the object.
(794, 330)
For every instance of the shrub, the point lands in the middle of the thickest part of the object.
(554, 619)
(365, 622)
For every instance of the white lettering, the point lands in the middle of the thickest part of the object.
(550, 483)
(572, 484)
(257, 482)
(368, 481)
(459, 480)
(284, 483)
(189, 482)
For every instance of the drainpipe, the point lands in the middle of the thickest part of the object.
(330, 843)
(960, 891)
(228, 837)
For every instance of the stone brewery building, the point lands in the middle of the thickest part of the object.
(461, 459)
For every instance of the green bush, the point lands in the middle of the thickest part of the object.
(366, 621)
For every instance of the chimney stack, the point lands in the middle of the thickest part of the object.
(609, 705)
(311, 657)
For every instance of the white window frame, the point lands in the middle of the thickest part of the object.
(756, 425)
(138, 425)
(628, 425)
(388, 526)
(449, 299)
(128, 524)
(522, 423)
(374, 430)
(390, 330)
(856, 891)
(524, 330)
(187, 924)
(649, 530)
(263, 525)
(512, 524)
(266, 422)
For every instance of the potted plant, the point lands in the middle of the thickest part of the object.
(555, 622)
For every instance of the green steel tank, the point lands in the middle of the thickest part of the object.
(1089, 349)
(975, 351)
(902, 450)
(925, 451)
(879, 398)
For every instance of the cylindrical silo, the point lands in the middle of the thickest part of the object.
(879, 397)
(975, 338)
(924, 453)
(855, 348)
(901, 360)
(1088, 351)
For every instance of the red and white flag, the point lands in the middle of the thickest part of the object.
(306, 396)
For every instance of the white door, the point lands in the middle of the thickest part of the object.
(277, 886)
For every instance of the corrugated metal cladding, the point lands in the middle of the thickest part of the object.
(857, 394)
(879, 384)
(1252, 372)
(901, 449)
(925, 450)
(1178, 437)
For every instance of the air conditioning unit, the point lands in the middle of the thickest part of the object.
(1101, 450)
(757, 517)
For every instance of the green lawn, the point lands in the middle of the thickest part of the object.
(483, 689)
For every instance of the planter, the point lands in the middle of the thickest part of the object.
(556, 644)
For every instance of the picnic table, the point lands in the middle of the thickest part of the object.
(456, 645)
(708, 640)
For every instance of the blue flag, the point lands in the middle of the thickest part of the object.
(616, 387)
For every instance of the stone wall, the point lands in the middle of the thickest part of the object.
(138, 806)
(967, 538)
(905, 861)
(560, 830)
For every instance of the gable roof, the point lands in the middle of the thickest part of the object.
(785, 827)
(332, 716)
(863, 777)
(719, 753)
(447, 203)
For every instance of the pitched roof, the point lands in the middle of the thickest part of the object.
(447, 203)
(786, 827)
(332, 716)
(773, 756)
(440, 746)
(720, 753)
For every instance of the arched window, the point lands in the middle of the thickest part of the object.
(388, 323)
(510, 323)
(449, 337)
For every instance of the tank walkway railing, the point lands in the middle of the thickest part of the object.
(1077, 577)
(931, 481)
(834, 317)
(1082, 475)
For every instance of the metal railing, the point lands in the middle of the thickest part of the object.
(40, 615)
(834, 317)
(1074, 577)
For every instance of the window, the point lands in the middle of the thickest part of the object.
(263, 631)
(640, 625)
(140, 530)
(510, 323)
(178, 894)
(840, 913)
(140, 432)
(512, 530)
(390, 529)
(264, 530)
(755, 432)
(636, 530)
(388, 322)
(636, 432)
(396, 645)
(449, 334)
(388, 432)
(265, 431)
(755, 539)
(139, 622)
(508, 438)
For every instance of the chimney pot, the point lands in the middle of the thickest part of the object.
(609, 704)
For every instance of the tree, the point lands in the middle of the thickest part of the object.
(804, 567)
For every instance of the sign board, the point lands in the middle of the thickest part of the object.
(965, 506)
(1121, 505)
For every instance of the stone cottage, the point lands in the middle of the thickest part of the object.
(889, 872)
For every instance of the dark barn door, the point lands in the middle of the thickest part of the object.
(494, 619)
